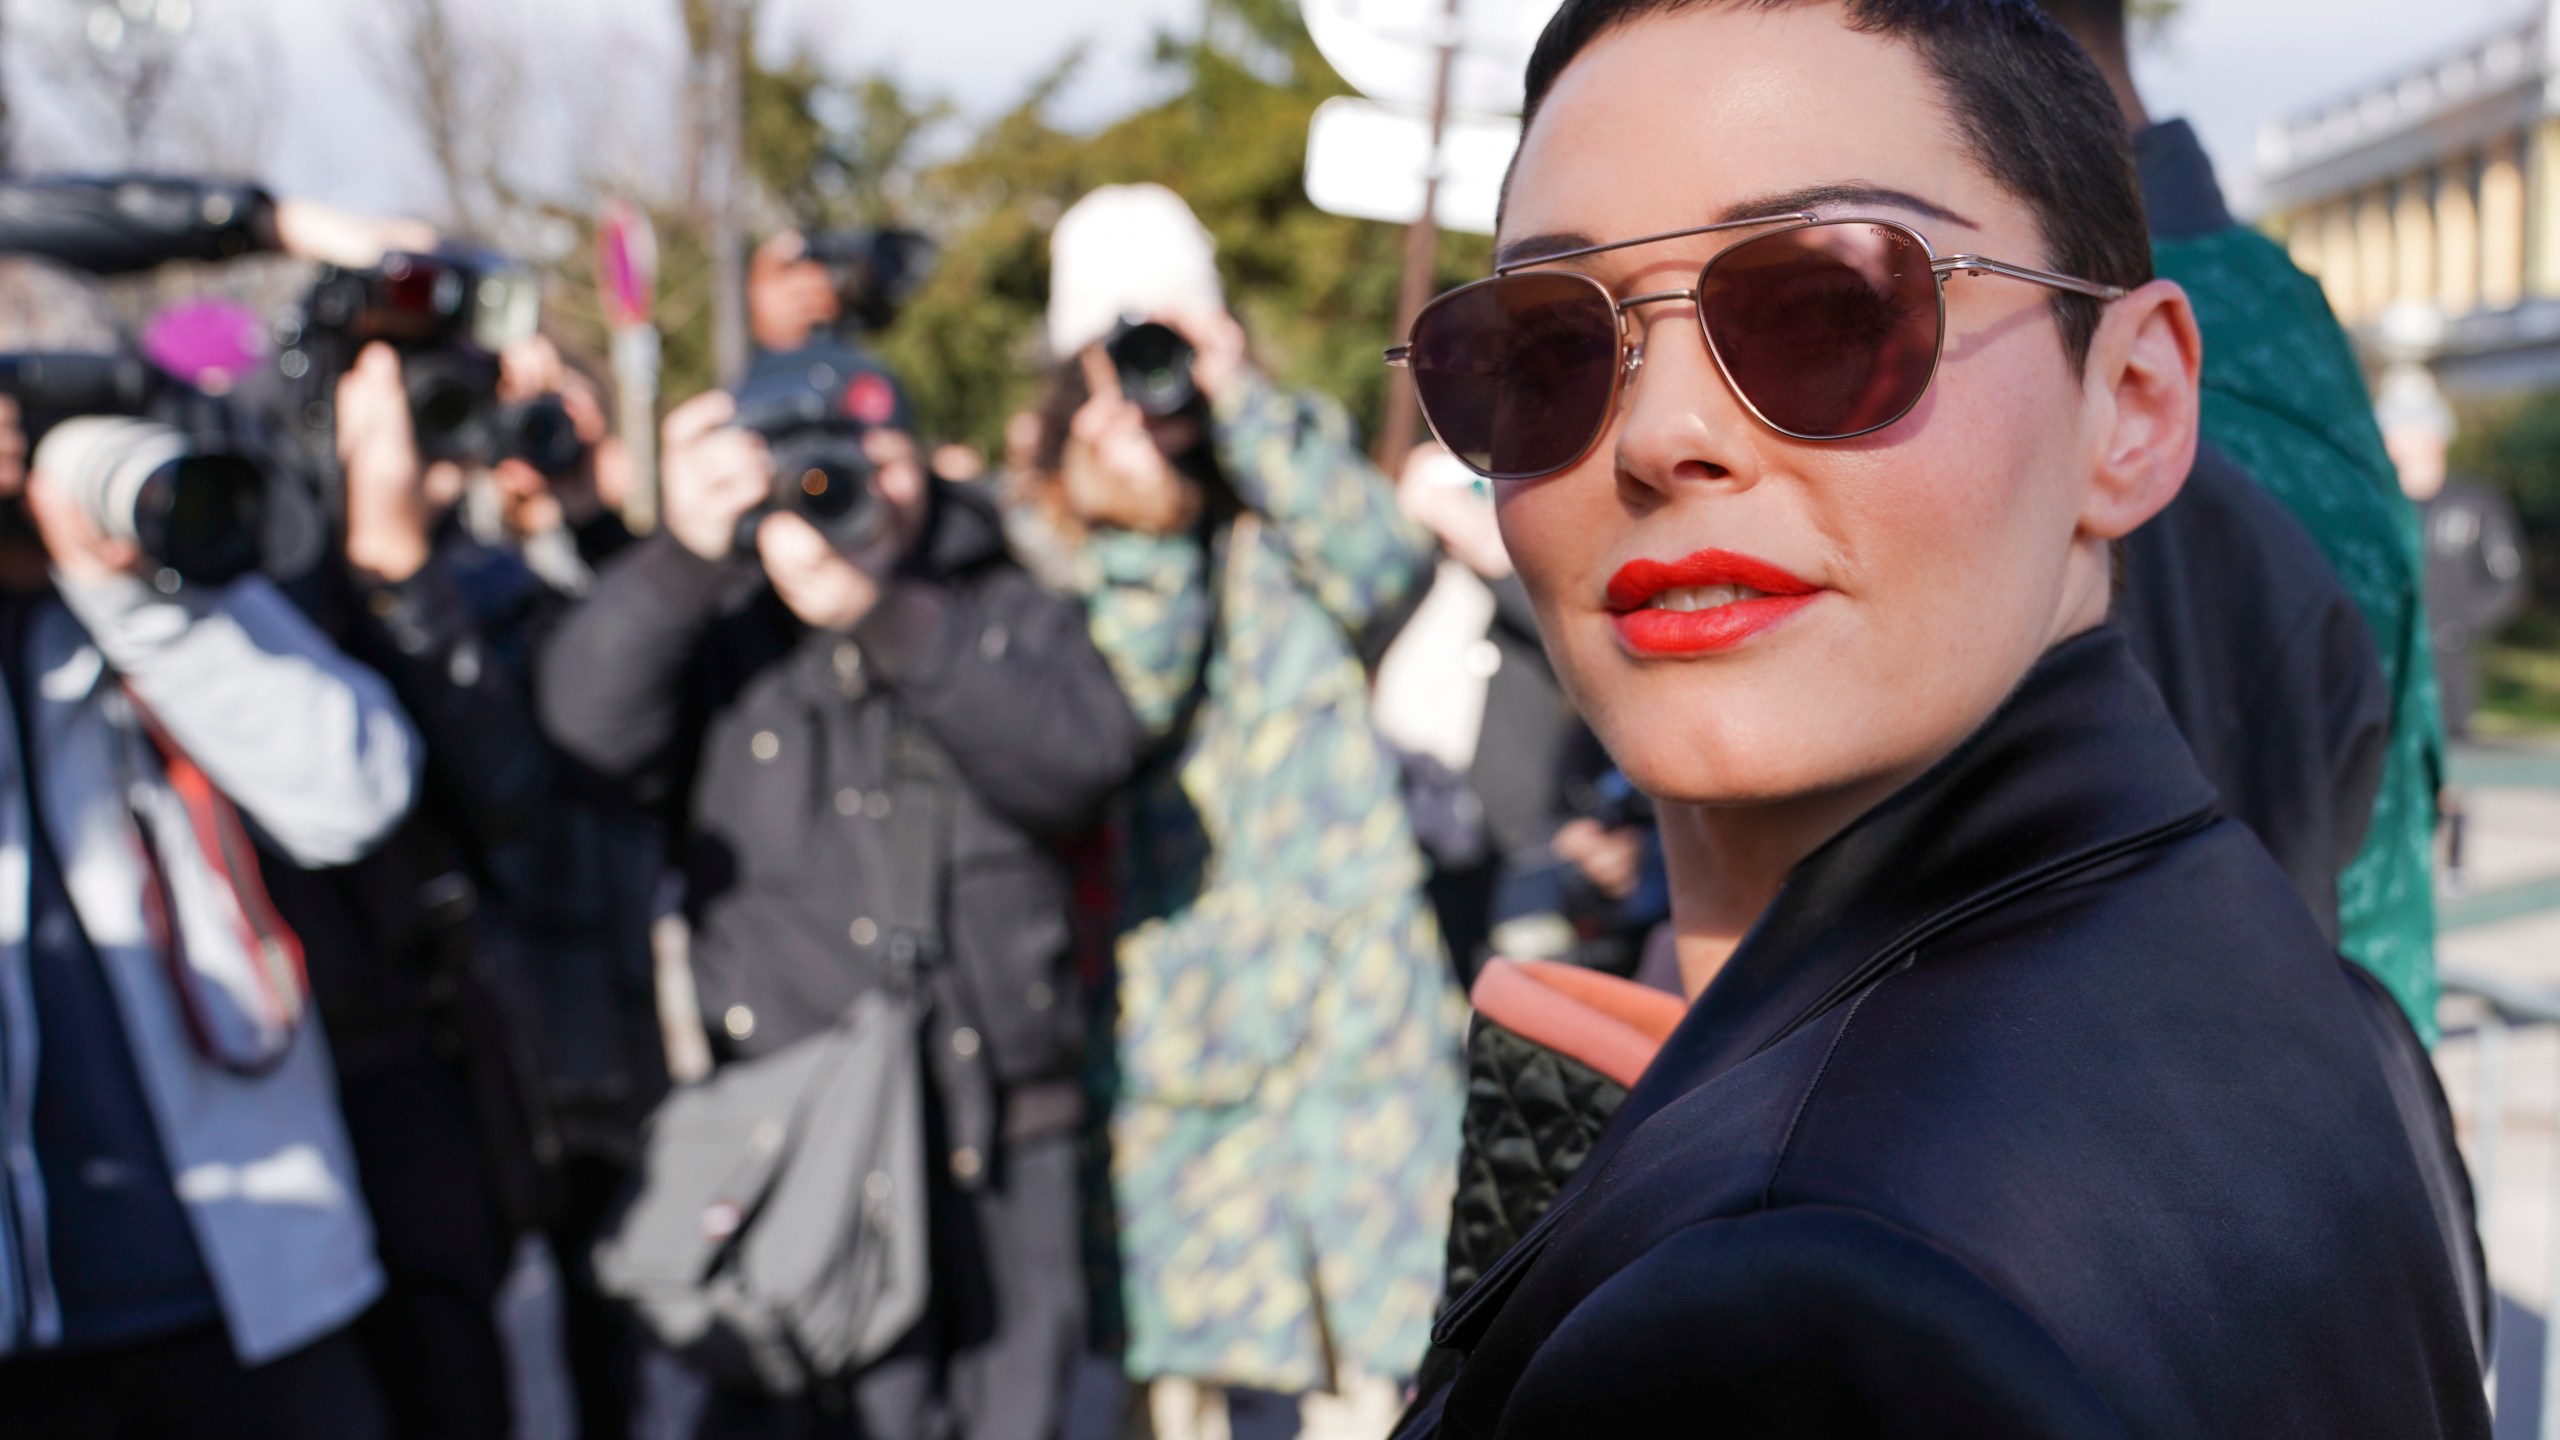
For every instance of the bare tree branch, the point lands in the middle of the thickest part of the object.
(461, 91)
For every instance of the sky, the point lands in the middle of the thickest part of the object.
(330, 132)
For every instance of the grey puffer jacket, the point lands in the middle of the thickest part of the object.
(771, 744)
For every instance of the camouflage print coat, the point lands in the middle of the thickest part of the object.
(1285, 1109)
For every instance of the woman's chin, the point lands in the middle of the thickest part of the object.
(1718, 768)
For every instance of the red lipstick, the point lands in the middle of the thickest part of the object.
(1648, 631)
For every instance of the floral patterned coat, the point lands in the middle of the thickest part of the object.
(1287, 1086)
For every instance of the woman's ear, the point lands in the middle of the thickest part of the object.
(2142, 391)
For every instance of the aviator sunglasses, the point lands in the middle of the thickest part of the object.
(1826, 330)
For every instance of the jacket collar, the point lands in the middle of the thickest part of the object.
(2080, 765)
(962, 532)
(2180, 195)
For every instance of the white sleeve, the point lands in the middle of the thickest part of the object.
(312, 746)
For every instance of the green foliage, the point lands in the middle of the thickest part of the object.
(2149, 19)
(1317, 292)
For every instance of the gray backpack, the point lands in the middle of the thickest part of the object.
(777, 1234)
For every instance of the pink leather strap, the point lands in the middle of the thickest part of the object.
(1612, 1025)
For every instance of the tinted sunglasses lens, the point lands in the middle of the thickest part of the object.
(1515, 373)
(1829, 330)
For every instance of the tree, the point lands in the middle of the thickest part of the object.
(2513, 443)
(461, 90)
(1317, 291)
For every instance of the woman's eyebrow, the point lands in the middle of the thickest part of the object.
(1847, 194)
(1530, 248)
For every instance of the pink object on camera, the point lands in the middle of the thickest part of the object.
(210, 344)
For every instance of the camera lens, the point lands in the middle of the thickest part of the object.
(1154, 365)
(540, 433)
(826, 479)
(199, 516)
(442, 408)
(453, 405)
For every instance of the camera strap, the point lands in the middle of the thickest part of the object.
(912, 902)
(279, 985)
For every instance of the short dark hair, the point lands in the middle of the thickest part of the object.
(2030, 104)
(2089, 17)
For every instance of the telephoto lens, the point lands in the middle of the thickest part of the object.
(1154, 365)
(194, 514)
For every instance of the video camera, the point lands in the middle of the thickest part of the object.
(193, 508)
(449, 316)
(813, 423)
(875, 272)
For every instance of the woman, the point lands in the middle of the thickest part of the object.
(2020, 1094)
(1285, 1104)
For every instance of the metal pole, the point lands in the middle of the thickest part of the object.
(1421, 256)
(2488, 1121)
(725, 192)
(635, 388)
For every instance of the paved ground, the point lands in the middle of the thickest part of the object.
(2507, 928)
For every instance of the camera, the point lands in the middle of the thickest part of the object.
(194, 510)
(449, 316)
(875, 272)
(1154, 365)
(540, 433)
(813, 422)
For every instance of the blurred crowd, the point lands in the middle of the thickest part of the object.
(1054, 880)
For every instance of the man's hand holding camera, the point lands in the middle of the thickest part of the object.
(1219, 362)
(388, 509)
(1118, 468)
(73, 546)
(716, 474)
(77, 549)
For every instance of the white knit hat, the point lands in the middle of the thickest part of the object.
(1126, 250)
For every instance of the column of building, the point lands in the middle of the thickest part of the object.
(2479, 231)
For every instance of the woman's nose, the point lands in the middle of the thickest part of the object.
(1681, 422)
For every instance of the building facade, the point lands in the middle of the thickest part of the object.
(2432, 197)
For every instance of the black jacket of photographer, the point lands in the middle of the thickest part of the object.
(770, 744)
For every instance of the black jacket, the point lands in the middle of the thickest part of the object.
(2268, 667)
(770, 744)
(2035, 1106)
(436, 1060)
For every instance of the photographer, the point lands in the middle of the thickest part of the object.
(182, 1246)
(1283, 995)
(565, 866)
(424, 953)
(780, 694)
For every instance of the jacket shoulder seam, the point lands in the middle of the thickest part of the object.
(1804, 1101)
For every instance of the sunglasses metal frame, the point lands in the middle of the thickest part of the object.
(1631, 353)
